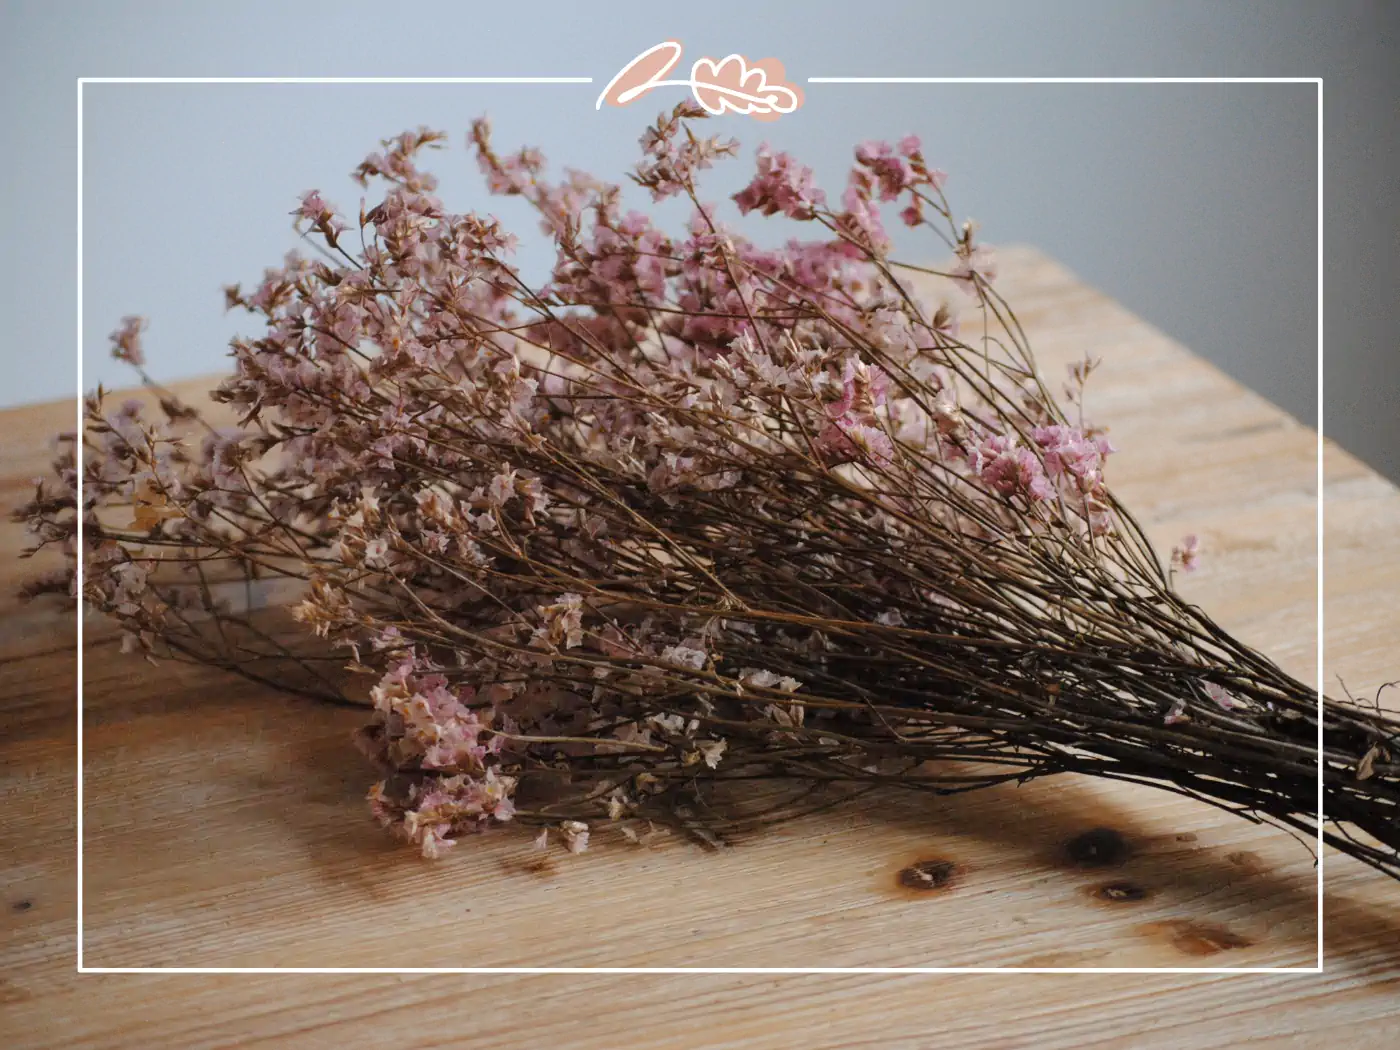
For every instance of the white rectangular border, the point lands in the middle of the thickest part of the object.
(1318, 968)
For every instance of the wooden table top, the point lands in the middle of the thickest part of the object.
(225, 826)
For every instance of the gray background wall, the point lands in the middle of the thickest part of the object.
(1195, 205)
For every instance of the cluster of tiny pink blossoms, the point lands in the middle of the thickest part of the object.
(521, 509)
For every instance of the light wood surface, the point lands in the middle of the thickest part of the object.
(225, 826)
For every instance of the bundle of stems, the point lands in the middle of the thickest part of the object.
(697, 535)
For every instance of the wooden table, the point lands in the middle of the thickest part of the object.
(226, 827)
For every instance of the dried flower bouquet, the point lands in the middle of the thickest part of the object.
(693, 516)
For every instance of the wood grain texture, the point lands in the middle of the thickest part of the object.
(225, 826)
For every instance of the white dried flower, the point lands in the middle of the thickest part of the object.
(712, 751)
(684, 656)
(575, 835)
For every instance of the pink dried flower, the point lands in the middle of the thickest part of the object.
(1227, 700)
(126, 341)
(320, 215)
(974, 265)
(891, 170)
(563, 623)
(1186, 554)
(781, 185)
(313, 207)
(1011, 469)
(1073, 456)
(672, 161)
(846, 439)
(860, 224)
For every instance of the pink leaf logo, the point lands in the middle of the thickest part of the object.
(731, 83)
(646, 71)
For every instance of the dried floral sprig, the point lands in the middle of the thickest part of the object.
(693, 514)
